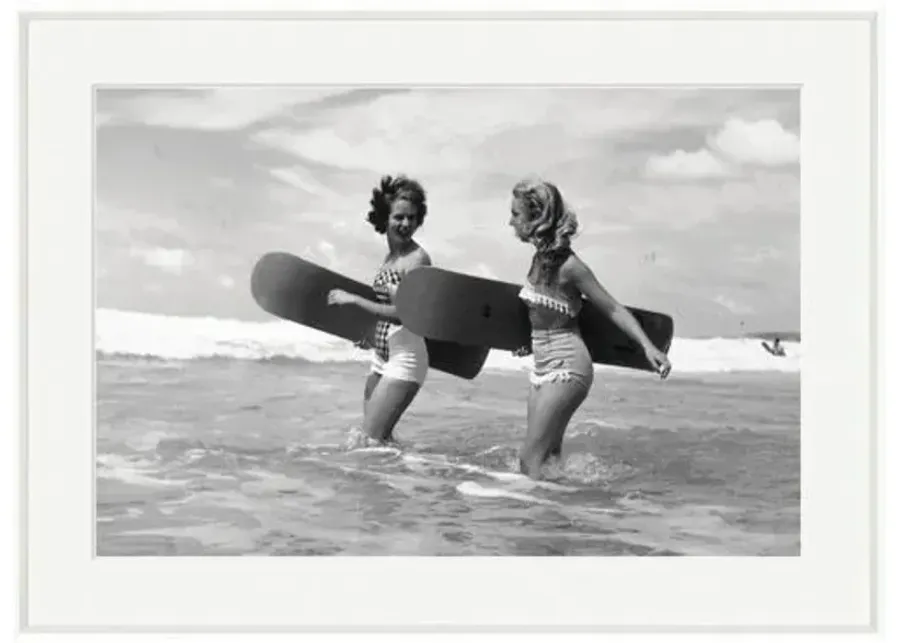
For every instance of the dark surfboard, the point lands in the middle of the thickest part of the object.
(297, 290)
(451, 306)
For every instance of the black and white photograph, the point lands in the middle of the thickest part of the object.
(447, 321)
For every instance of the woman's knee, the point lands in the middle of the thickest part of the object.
(553, 408)
(387, 405)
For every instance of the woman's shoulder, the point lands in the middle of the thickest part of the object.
(572, 265)
(575, 272)
(424, 258)
(417, 258)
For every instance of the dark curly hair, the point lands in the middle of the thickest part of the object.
(393, 189)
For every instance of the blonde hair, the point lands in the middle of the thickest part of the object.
(551, 224)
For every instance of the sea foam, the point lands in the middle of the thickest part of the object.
(126, 333)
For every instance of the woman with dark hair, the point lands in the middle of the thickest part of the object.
(400, 359)
(563, 370)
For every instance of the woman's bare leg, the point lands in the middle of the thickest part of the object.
(384, 405)
(550, 408)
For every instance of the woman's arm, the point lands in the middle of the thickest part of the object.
(583, 278)
(383, 311)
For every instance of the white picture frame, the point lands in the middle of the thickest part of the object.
(830, 587)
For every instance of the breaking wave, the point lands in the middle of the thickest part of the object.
(126, 333)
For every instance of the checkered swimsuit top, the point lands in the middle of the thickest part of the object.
(386, 281)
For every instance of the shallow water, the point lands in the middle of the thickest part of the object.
(238, 456)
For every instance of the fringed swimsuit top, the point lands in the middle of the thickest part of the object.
(385, 285)
(560, 354)
(550, 308)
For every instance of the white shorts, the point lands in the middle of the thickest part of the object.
(407, 357)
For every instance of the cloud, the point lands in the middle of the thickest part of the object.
(733, 306)
(444, 131)
(363, 148)
(302, 178)
(327, 251)
(172, 260)
(760, 255)
(126, 220)
(694, 165)
(219, 109)
(223, 182)
(483, 270)
(763, 142)
(736, 143)
(299, 179)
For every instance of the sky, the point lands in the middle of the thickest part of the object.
(688, 199)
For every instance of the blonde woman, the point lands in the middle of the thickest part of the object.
(556, 282)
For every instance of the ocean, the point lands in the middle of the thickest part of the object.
(226, 437)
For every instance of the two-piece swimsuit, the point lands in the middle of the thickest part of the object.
(560, 354)
(398, 352)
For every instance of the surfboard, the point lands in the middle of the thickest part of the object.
(294, 289)
(451, 306)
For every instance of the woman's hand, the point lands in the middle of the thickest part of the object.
(522, 351)
(340, 297)
(658, 360)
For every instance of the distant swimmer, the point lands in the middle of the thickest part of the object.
(775, 348)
